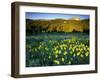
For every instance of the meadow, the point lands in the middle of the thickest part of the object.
(53, 49)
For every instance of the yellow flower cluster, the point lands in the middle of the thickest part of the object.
(65, 51)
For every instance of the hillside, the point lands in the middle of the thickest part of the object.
(56, 25)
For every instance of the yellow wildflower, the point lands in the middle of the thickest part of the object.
(56, 62)
(87, 53)
(59, 52)
(78, 53)
(56, 56)
(49, 57)
(74, 55)
(69, 62)
(76, 49)
(82, 55)
(62, 59)
(35, 49)
(65, 52)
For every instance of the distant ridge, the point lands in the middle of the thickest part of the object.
(74, 24)
(75, 18)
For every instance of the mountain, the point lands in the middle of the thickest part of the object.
(57, 25)
(75, 18)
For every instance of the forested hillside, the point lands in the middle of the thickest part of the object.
(56, 25)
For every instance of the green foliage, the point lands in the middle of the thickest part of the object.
(52, 49)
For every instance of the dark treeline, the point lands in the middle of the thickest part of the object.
(56, 25)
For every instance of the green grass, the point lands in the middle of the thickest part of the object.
(52, 49)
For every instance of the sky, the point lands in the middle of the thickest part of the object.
(34, 15)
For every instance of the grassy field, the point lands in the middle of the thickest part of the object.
(52, 49)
